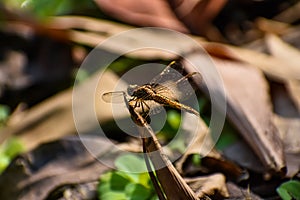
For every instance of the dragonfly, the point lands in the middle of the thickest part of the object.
(165, 89)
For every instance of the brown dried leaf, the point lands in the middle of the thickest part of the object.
(204, 146)
(36, 174)
(290, 55)
(289, 129)
(293, 87)
(249, 108)
(143, 13)
(270, 65)
(208, 185)
(289, 15)
(55, 114)
(289, 132)
(271, 26)
(284, 52)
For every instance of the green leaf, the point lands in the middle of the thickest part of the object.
(174, 119)
(130, 163)
(124, 185)
(4, 162)
(120, 185)
(137, 192)
(113, 181)
(13, 147)
(144, 180)
(113, 196)
(196, 159)
(4, 114)
(119, 180)
(289, 190)
(8, 151)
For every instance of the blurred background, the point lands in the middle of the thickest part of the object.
(43, 43)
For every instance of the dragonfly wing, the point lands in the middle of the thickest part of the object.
(184, 86)
(180, 89)
(171, 72)
(114, 97)
(155, 107)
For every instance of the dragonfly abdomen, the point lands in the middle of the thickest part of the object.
(174, 104)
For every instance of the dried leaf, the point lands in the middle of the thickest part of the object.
(208, 185)
(289, 15)
(270, 65)
(143, 13)
(284, 52)
(55, 115)
(290, 55)
(204, 146)
(293, 87)
(289, 132)
(289, 129)
(252, 114)
(250, 110)
(37, 175)
(271, 26)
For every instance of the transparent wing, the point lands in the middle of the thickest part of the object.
(155, 107)
(171, 72)
(114, 97)
(180, 89)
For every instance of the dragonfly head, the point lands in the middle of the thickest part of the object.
(131, 89)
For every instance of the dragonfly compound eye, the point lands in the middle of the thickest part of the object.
(131, 89)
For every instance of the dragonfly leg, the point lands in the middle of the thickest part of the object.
(136, 103)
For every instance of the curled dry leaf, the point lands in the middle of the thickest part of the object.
(208, 185)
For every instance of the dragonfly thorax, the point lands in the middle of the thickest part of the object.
(141, 92)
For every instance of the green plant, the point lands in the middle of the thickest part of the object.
(44, 8)
(126, 183)
(8, 151)
(289, 190)
(4, 114)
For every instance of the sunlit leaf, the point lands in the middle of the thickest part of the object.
(289, 190)
(130, 163)
(174, 119)
(137, 191)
